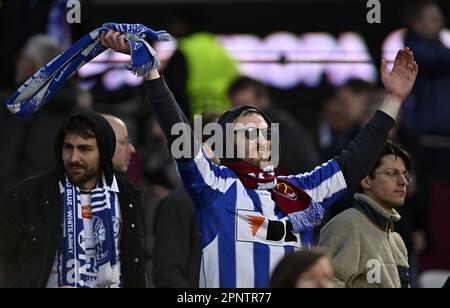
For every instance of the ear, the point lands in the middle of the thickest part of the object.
(366, 183)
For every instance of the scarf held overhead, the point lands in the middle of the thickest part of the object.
(43, 85)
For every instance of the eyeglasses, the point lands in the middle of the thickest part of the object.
(252, 133)
(395, 174)
(125, 142)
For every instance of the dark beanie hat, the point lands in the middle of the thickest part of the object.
(229, 117)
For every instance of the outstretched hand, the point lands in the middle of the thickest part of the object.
(115, 40)
(403, 76)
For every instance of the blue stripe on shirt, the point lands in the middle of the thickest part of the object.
(221, 220)
(306, 239)
(326, 203)
(313, 179)
(288, 249)
(261, 252)
(193, 178)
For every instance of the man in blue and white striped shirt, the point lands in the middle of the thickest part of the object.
(247, 218)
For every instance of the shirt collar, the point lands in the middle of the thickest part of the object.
(114, 186)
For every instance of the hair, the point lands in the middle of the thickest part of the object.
(89, 124)
(413, 10)
(248, 112)
(82, 126)
(358, 85)
(42, 48)
(390, 148)
(292, 266)
(243, 83)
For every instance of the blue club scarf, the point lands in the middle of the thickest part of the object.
(42, 86)
(74, 267)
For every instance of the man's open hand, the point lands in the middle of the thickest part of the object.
(401, 80)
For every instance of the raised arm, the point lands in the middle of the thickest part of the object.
(360, 156)
(169, 116)
(161, 100)
(203, 179)
(327, 183)
(399, 82)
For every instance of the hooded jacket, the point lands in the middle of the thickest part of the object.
(31, 216)
(106, 141)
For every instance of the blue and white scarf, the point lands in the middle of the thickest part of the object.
(74, 267)
(42, 86)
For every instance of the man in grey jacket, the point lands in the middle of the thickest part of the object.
(366, 251)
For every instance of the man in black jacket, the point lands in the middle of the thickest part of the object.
(78, 225)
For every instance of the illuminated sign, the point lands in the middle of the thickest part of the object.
(285, 60)
(282, 59)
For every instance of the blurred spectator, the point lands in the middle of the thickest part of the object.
(38, 51)
(362, 237)
(26, 17)
(303, 269)
(344, 115)
(200, 71)
(425, 123)
(159, 178)
(158, 159)
(431, 111)
(29, 144)
(124, 147)
(298, 152)
(177, 251)
(121, 160)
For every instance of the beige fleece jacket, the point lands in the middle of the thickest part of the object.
(365, 250)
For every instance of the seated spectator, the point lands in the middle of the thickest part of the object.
(303, 269)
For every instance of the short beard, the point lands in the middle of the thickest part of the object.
(90, 173)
